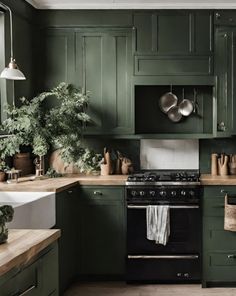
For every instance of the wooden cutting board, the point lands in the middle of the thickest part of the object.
(59, 166)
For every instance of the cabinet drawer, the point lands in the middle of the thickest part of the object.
(25, 282)
(213, 201)
(169, 65)
(220, 267)
(215, 237)
(218, 191)
(213, 206)
(101, 192)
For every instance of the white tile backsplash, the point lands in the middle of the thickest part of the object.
(169, 154)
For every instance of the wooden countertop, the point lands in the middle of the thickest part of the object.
(62, 183)
(23, 245)
(207, 179)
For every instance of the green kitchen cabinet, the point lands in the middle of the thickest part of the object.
(57, 58)
(219, 245)
(104, 61)
(37, 278)
(173, 43)
(101, 233)
(225, 72)
(66, 215)
(99, 60)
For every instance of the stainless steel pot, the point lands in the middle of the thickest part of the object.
(174, 114)
(186, 106)
(167, 101)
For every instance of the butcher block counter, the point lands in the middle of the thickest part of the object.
(207, 179)
(23, 245)
(62, 183)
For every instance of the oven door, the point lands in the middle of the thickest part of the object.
(185, 232)
(177, 262)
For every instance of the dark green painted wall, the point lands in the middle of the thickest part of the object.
(23, 34)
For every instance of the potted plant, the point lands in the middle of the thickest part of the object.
(62, 127)
(6, 215)
(3, 169)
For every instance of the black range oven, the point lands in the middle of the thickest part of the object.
(179, 260)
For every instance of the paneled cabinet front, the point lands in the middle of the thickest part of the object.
(173, 43)
(101, 234)
(37, 278)
(99, 61)
(219, 245)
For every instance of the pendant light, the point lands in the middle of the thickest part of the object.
(12, 71)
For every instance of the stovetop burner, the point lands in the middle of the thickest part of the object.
(163, 177)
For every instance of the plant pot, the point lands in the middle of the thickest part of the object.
(2, 176)
(3, 233)
(23, 162)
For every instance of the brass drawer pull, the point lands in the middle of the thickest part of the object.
(231, 256)
(97, 192)
(27, 290)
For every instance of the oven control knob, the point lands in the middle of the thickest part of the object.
(183, 192)
(186, 274)
(173, 193)
(134, 192)
(191, 193)
(152, 193)
(162, 193)
(141, 193)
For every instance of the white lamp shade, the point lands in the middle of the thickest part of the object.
(13, 74)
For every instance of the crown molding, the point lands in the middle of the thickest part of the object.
(134, 5)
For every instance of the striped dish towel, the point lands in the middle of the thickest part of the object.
(158, 224)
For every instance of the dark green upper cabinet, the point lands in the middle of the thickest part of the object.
(104, 63)
(100, 61)
(225, 72)
(58, 56)
(173, 43)
(174, 32)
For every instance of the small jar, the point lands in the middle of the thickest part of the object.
(13, 176)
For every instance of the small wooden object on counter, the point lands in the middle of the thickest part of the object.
(105, 170)
(3, 176)
(214, 164)
(126, 166)
(232, 164)
(230, 216)
(223, 165)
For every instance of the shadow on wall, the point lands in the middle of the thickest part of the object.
(207, 147)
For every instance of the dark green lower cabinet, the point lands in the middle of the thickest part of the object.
(101, 236)
(38, 278)
(66, 206)
(219, 245)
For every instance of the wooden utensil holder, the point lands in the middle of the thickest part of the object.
(214, 164)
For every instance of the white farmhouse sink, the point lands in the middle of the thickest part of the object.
(33, 210)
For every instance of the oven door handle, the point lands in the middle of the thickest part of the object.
(190, 257)
(171, 207)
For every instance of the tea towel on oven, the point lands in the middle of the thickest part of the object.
(158, 224)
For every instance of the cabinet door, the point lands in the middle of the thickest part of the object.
(104, 61)
(224, 71)
(65, 220)
(174, 32)
(101, 231)
(57, 61)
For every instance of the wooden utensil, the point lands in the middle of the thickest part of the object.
(223, 164)
(214, 164)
